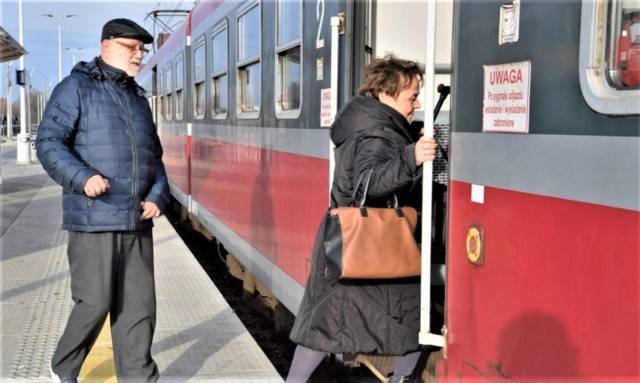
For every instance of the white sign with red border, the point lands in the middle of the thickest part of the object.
(506, 97)
(326, 118)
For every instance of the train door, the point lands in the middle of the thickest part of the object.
(370, 29)
(403, 30)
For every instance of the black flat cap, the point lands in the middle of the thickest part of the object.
(125, 28)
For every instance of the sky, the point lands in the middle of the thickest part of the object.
(81, 33)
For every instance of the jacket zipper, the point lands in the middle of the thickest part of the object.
(134, 152)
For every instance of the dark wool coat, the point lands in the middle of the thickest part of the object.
(99, 122)
(372, 317)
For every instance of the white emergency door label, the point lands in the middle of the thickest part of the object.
(326, 118)
(506, 97)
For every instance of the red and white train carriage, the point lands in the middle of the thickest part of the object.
(543, 226)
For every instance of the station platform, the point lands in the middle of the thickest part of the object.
(198, 337)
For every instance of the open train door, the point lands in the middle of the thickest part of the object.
(410, 30)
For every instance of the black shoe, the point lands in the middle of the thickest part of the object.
(58, 379)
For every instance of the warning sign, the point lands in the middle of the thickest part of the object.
(506, 97)
(326, 117)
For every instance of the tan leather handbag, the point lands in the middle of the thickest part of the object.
(371, 243)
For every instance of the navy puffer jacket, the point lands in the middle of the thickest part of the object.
(98, 121)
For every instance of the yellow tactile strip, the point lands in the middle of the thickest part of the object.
(99, 367)
(198, 337)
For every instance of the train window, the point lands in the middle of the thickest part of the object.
(288, 23)
(289, 80)
(250, 88)
(623, 37)
(220, 98)
(219, 73)
(168, 114)
(249, 68)
(610, 56)
(288, 58)
(179, 88)
(249, 34)
(150, 94)
(199, 65)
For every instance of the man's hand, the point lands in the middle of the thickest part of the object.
(149, 210)
(96, 185)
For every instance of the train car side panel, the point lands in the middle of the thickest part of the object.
(555, 294)
(263, 190)
(528, 309)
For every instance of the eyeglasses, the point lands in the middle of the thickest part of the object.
(133, 47)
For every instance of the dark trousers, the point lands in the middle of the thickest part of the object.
(111, 273)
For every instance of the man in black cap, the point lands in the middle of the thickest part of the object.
(128, 36)
(97, 140)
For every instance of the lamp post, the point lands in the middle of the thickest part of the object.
(59, 42)
(23, 148)
(73, 53)
(8, 102)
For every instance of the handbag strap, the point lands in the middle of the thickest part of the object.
(369, 173)
(363, 209)
(355, 189)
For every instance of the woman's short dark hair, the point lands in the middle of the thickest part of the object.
(390, 75)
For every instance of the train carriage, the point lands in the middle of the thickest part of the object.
(542, 225)
(550, 291)
(243, 108)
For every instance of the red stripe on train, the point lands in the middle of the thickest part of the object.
(175, 151)
(557, 297)
(273, 200)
